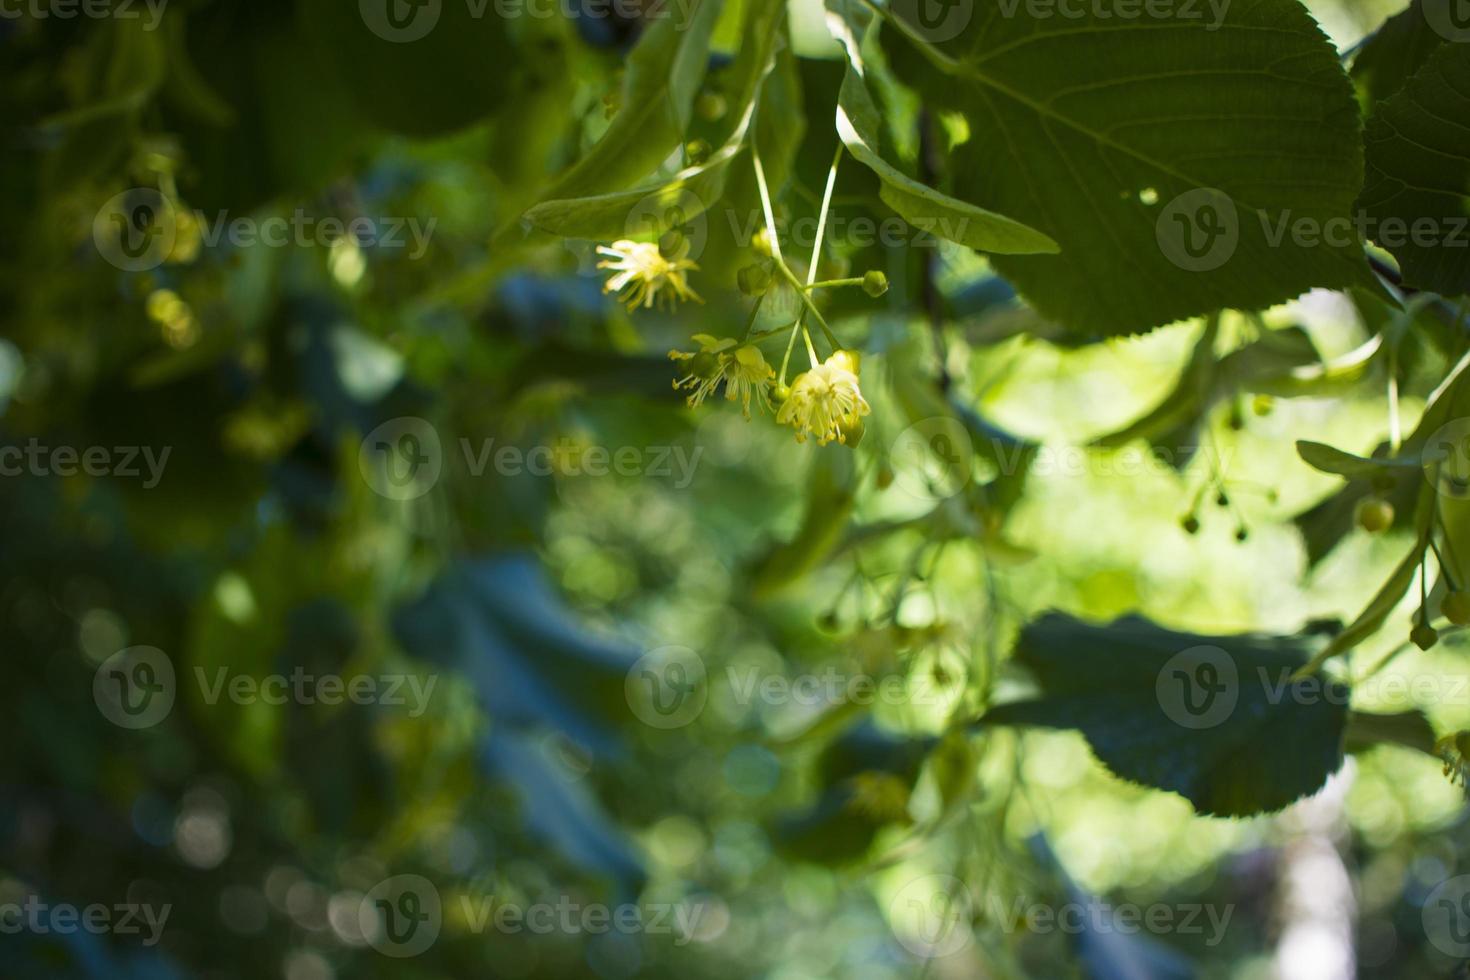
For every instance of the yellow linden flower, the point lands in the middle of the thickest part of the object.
(1454, 749)
(826, 401)
(642, 273)
(743, 369)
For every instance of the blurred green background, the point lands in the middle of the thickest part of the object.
(800, 838)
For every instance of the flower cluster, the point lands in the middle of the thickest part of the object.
(741, 367)
(824, 402)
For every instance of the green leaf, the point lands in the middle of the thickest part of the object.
(663, 76)
(1409, 729)
(1394, 52)
(1416, 192)
(1331, 460)
(1213, 718)
(648, 211)
(1171, 160)
(859, 124)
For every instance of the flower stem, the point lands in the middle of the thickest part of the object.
(811, 274)
(807, 301)
(760, 183)
(754, 312)
(831, 283)
(790, 343)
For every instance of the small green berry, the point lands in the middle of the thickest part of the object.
(711, 106)
(754, 279)
(1456, 608)
(875, 283)
(1262, 404)
(1222, 500)
(1190, 523)
(1241, 533)
(1374, 514)
(697, 151)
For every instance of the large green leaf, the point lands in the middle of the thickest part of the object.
(859, 124)
(1182, 164)
(1416, 193)
(1213, 718)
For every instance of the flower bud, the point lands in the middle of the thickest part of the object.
(711, 106)
(697, 151)
(875, 283)
(754, 279)
(761, 241)
(849, 360)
